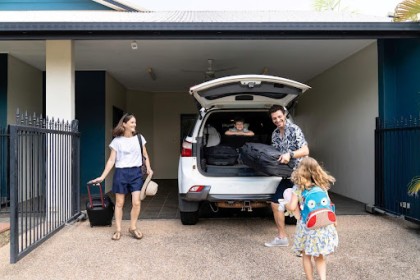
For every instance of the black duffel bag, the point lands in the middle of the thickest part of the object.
(264, 158)
(221, 155)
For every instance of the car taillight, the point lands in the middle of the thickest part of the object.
(186, 149)
(198, 188)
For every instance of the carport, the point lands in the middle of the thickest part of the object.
(144, 63)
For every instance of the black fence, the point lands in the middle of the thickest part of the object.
(397, 162)
(44, 180)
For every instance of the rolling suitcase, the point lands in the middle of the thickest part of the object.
(263, 158)
(100, 209)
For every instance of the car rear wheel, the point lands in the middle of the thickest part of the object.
(189, 218)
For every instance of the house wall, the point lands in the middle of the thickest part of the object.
(338, 118)
(167, 110)
(90, 112)
(37, 5)
(141, 105)
(398, 78)
(115, 95)
(159, 120)
(3, 90)
(24, 89)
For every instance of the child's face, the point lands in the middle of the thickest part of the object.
(239, 125)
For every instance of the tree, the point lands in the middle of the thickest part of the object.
(330, 5)
(327, 5)
(407, 10)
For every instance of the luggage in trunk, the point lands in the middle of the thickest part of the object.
(100, 209)
(221, 155)
(263, 158)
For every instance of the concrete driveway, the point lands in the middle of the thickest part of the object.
(371, 247)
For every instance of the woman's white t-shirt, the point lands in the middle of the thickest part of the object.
(128, 151)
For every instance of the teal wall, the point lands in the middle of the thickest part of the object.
(399, 78)
(3, 90)
(4, 192)
(399, 101)
(37, 5)
(90, 112)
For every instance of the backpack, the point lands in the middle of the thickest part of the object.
(317, 210)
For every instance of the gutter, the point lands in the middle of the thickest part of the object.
(216, 30)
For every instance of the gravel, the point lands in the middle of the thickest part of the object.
(371, 247)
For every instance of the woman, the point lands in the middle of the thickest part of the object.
(127, 157)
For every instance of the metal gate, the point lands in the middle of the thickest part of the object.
(397, 162)
(44, 180)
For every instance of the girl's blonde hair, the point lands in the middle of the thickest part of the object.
(119, 128)
(309, 173)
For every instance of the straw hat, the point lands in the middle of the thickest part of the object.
(149, 187)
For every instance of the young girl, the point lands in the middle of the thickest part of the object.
(316, 243)
(127, 157)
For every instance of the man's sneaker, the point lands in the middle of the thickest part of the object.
(278, 242)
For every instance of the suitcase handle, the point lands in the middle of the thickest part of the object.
(89, 184)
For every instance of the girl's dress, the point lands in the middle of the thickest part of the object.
(314, 242)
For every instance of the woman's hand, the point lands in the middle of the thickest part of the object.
(96, 181)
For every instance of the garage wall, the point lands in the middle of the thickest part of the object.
(141, 105)
(167, 110)
(115, 95)
(159, 119)
(24, 89)
(338, 118)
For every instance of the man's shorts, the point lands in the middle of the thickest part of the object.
(284, 184)
(127, 180)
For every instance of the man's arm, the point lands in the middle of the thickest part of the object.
(302, 152)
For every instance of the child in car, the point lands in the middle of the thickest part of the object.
(239, 129)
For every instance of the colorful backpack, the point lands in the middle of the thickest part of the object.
(316, 208)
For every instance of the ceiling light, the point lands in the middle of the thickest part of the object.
(134, 45)
(151, 73)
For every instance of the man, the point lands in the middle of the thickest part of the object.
(288, 138)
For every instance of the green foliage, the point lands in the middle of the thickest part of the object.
(331, 5)
(327, 5)
(407, 10)
(414, 186)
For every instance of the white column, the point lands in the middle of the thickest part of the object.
(60, 105)
(60, 96)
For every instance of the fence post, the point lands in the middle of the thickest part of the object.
(14, 215)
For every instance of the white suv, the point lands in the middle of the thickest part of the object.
(230, 184)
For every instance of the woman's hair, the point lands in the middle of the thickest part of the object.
(309, 173)
(119, 128)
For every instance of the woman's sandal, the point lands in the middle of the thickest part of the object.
(135, 233)
(116, 235)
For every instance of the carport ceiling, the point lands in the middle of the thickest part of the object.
(174, 62)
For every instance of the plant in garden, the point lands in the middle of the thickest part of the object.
(414, 186)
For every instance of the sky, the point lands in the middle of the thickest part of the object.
(366, 7)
